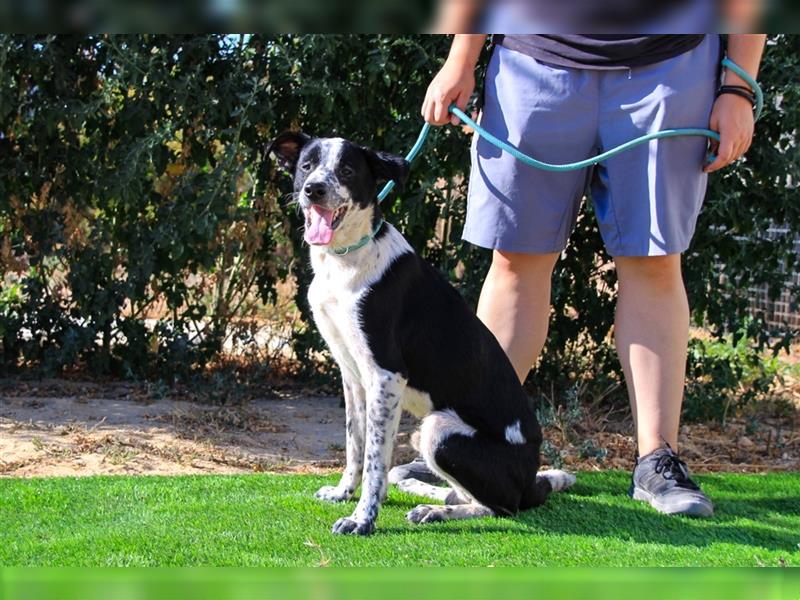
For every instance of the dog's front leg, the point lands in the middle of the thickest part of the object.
(384, 393)
(355, 410)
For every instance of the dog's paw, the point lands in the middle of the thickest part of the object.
(559, 480)
(427, 513)
(346, 525)
(332, 493)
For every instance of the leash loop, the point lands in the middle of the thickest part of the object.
(412, 154)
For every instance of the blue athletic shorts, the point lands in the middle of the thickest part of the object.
(646, 200)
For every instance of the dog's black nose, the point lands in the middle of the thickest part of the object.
(315, 190)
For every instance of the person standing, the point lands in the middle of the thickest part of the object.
(562, 98)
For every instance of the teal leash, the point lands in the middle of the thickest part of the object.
(412, 154)
(529, 160)
(582, 164)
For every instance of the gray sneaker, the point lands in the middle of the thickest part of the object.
(662, 479)
(416, 469)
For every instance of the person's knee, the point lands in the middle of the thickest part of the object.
(658, 273)
(521, 264)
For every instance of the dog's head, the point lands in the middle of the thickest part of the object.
(336, 183)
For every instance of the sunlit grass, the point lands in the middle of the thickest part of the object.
(264, 519)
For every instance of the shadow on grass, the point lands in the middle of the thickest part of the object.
(585, 511)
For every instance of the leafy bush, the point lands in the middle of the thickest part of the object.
(127, 183)
(725, 374)
(142, 226)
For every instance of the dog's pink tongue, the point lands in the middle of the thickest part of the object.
(318, 228)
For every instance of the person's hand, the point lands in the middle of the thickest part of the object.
(453, 84)
(732, 116)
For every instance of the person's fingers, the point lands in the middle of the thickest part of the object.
(711, 154)
(427, 107)
(741, 148)
(747, 142)
(724, 155)
(713, 145)
(454, 120)
(440, 110)
(461, 102)
(430, 111)
(747, 145)
(734, 154)
(726, 149)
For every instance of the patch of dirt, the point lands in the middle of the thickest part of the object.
(738, 447)
(72, 428)
(66, 428)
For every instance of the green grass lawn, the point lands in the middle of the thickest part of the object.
(263, 519)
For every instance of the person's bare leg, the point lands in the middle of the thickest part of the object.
(515, 305)
(652, 335)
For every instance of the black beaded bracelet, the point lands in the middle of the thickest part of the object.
(738, 90)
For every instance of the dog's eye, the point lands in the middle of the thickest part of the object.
(306, 166)
(348, 171)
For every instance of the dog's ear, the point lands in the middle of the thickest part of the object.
(387, 166)
(286, 148)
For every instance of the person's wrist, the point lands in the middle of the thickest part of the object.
(460, 62)
(465, 51)
(732, 78)
(740, 99)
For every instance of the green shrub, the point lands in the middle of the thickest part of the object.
(727, 374)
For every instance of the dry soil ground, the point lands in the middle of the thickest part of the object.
(62, 427)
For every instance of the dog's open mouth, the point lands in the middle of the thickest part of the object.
(321, 223)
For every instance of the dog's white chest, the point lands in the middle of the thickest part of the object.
(336, 314)
(335, 295)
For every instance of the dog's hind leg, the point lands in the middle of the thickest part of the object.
(454, 451)
(495, 473)
(435, 492)
(355, 416)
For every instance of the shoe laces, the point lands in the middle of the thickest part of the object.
(669, 466)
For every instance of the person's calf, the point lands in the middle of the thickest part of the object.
(651, 331)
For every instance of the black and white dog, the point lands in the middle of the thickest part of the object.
(405, 339)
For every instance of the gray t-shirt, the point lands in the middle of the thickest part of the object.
(601, 51)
